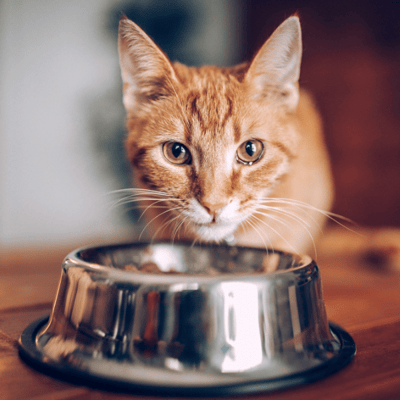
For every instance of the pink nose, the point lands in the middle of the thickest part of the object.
(213, 208)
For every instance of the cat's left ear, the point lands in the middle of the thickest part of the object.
(147, 74)
(275, 69)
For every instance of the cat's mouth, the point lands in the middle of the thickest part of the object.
(213, 231)
(213, 223)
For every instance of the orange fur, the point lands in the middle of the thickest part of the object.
(212, 112)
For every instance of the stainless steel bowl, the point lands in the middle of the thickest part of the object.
(185, 319)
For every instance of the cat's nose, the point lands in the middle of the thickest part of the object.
(212, 208)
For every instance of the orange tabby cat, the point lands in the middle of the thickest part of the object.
(225, 153)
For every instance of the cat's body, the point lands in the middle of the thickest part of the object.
(223, 151)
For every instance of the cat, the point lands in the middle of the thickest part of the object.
(232, 154)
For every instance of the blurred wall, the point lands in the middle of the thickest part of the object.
(52, 59)
(61, 113)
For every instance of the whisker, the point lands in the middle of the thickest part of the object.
(274, 230)
(164, 225)
(130, 199)
(243, 225)
(168, 209)
(138, 190)
(332, 216)
(301, 205)
(288, 214)
(177, 222)
(294, 214)
(176, 230)
(156, 202)
(274, 218)
(158, 215)
(253, 225)
(303, 225)
(157, 207)
(194, 242)
(135, 192)
(139, 195)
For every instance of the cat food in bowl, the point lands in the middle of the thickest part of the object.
(188, 320)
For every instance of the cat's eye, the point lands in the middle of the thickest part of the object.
(176, 153)
(249, 152)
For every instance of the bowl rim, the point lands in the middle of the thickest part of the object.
(73, 259)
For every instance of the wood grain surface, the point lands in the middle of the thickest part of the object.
(361, 295)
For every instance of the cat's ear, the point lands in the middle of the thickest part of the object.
(147, 74)
(275, 69)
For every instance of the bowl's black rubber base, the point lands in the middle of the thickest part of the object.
(31, 355)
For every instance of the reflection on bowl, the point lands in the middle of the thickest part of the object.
(185, 318)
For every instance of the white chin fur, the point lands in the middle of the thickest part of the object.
(213, 233)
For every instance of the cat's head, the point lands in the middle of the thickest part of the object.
(217, 140)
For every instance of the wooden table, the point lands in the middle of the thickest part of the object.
(361, 291)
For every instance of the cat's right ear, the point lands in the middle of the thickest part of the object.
(147, 74)
(275, 70)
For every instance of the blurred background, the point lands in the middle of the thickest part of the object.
(62, 120)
